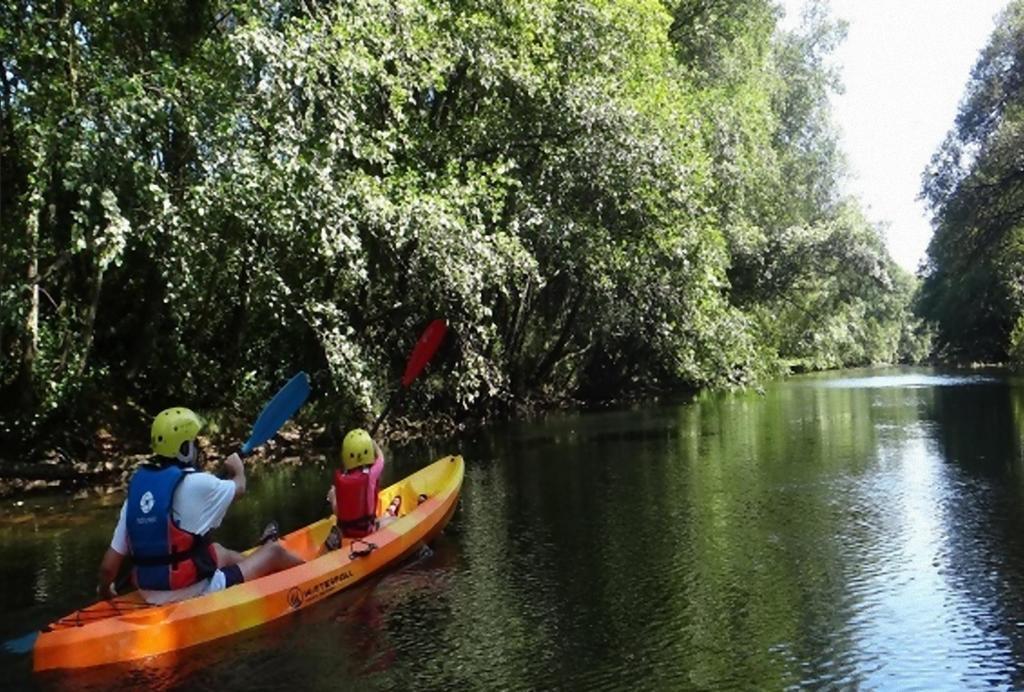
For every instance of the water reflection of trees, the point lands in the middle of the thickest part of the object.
(979, 431)
(686, 545)
(765, 592)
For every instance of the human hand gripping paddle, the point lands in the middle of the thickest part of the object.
(276, 413)
(422, 352)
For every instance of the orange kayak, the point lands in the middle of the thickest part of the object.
(127, 629)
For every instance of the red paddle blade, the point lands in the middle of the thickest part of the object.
(424, 350)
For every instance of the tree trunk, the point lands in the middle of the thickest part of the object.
(557, 351)
(514, 340)
(10, 176)
(89, 323)
(52, 472)
(30, 333)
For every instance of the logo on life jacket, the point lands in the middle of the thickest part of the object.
(146, 503)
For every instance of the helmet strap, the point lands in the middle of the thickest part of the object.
(188, 455)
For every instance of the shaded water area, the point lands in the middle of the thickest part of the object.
(854, 529)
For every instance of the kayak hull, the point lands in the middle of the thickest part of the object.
(126, 629)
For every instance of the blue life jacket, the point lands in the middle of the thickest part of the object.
(166, 557)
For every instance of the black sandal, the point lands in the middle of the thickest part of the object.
(333, 541)
(270, 533)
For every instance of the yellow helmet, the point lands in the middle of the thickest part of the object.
(357, 449)
(171, 428)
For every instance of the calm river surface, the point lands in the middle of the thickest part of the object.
(858, 529)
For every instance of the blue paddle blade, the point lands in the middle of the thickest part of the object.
(21, 645)
(282, 407)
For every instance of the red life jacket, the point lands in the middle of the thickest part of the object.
(356, 517)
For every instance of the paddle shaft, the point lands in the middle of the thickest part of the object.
(387, 409)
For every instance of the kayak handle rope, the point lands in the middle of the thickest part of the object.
(360, 552)
(80, 618)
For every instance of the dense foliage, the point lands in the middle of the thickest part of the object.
(602, 196)
(973, 282)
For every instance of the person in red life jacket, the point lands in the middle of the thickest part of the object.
(166, 520)
(353, 494)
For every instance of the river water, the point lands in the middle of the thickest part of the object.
(855, 529)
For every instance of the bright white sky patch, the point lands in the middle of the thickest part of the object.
(904, 64)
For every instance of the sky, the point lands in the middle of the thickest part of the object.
(904, 65)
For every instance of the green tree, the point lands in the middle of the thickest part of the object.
(603, 198)
(975, 190)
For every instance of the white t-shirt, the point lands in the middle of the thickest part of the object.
(200, 504)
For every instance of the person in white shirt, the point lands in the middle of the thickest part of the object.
(166, 520)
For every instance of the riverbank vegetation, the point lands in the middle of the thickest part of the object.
(973, 282)
(602, 197)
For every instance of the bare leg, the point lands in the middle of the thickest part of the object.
(269, 558)
(226, 557)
